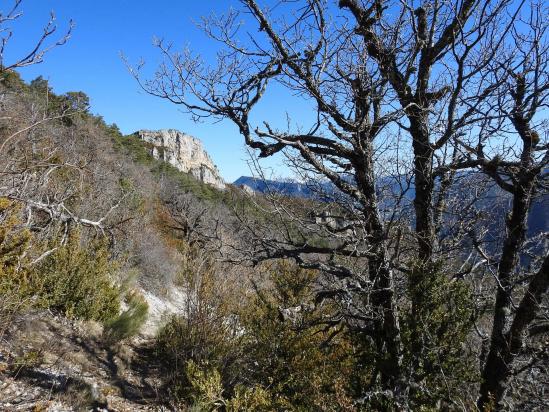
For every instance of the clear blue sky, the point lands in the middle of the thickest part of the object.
(91, 62)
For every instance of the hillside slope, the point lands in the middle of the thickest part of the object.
(92, 181)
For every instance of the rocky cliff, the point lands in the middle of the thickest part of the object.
(184, 152)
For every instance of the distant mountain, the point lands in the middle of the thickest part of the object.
(286, 187)
(538, 220)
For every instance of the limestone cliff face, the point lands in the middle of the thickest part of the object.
(184, 152)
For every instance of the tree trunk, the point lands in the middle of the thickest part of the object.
(424, 186)
(387, 328)
(504, 339)
(498, 366)
(498, 362)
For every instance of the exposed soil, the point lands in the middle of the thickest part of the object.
(48, 363)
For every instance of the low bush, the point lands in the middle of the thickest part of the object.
(249, 357)
(288, 347)
(207, 394)
(435, 332)
(75, 279)
(78, 281)
(14, 242)
(206, 332)
(128, 323)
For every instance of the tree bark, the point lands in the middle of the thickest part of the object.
(424, 186)
(387, 328)
(505, 347)
(502, 349)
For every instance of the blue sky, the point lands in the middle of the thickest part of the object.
(91, 62)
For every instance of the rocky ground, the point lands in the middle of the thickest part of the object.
(48, 363)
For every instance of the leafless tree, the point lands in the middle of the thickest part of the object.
(41, 47)
(519, 167)
(400, 91)
(34, 150)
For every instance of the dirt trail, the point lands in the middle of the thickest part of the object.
(48, 363)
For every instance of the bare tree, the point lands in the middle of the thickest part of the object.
(382, 79)
(32, 150)
(519, 168)
(41, 47)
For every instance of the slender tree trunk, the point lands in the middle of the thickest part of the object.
(503, 351)
(424, 186)
(498, 362)
(496, 368)
(387, 328)
(424, 214)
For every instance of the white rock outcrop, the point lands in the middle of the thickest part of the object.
(184, 152)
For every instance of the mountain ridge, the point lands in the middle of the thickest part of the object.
(538, 219)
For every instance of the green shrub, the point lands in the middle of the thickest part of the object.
(251, 399)
(28, 360)
(205, 389)
(207, 394)
(435, 330)
(78, 281)
(14, 239)
(247, 357)
(75, 279)
(128, 323)
(201, 340)
(206, 331)
(133, 147)
(14, 242)
(11, 80)
(290, 356)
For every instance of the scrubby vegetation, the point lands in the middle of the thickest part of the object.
(13, 242)
(217, 355)
(278, 343)
(78, 281)
(51, 262)
(398, 291)
(228, 348)
(266, 337)
(129, 322)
